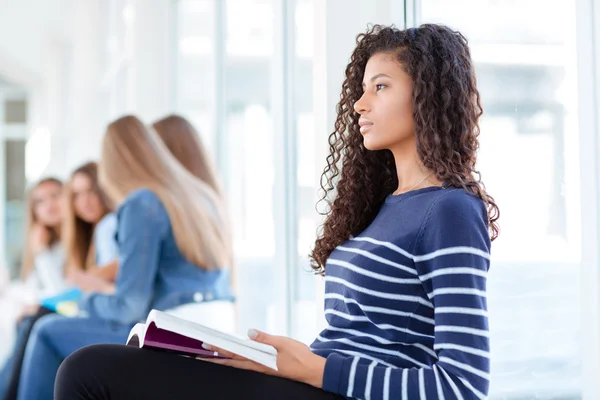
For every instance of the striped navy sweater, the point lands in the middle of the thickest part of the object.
(405, 302)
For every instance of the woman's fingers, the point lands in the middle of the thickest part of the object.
(222, 352)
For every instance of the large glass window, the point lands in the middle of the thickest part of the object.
(227, 86)
(305, 311)
(195, 85)
(529, 163)
(250, 166)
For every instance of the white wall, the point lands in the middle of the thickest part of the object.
(59, 55)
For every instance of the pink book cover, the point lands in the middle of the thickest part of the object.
(166, 340)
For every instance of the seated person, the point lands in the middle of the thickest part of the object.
(174, 252)
(88, 239)
(405, 251)
(43, 260)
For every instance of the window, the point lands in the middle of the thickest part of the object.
(529, 162)
(195, 86)
(232, 66)
(305, 308)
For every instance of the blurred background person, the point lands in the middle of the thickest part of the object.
(89, 259)
(184, 142)
(42, 273)
(174, 253)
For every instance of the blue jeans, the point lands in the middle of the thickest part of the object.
(9, 366)
(54, 337)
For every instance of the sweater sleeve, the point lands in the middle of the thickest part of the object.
(451, 256)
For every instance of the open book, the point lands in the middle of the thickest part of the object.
(65, 303)
(167, 332)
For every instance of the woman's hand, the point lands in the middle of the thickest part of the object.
(39, 239)
(295, 361)
(27, 311)
(88, 282)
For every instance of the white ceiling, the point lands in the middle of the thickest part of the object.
(27, 29)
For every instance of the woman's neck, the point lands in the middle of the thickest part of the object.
(412, 174)
(56, 230)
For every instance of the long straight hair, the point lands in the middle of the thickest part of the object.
(134, 157)
(183, 141)
(78, 234)
(54, 233)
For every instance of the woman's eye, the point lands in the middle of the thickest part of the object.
(379, 86)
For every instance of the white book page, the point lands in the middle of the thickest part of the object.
(140, 331)
(258, 352)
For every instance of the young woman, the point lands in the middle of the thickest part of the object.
(88, 239)
(43, 260)
(405, 250)
(89, 232)
(174, 250)
(183, 141)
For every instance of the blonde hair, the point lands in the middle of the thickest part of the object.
(77, 234)
(183, 141)
(28, 256)
(134, 157)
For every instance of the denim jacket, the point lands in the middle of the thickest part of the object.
(152, 271)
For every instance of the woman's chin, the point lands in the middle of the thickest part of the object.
(372, 144)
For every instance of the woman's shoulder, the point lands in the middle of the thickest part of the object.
(144, 203)
(457, 200)
(144, 198)
(455, 217)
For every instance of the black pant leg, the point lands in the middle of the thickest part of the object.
(115, 372)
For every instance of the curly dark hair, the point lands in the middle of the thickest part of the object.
(446, 107)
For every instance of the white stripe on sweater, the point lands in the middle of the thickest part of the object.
(451, 383)
(374, 275)
(472, 388)
(377, 258)
(381, 340)
(375, 349)
(389, 245)
(383, 327)
(351, 377)
(405, 384)
(422, 385)
(369, 380)
(461, 310)
(462, 329)
(386, 384)
(438, 384)
(456, 290)
(379, 310)
(454, 271)
(362, 355)
(464, 349)
(465, 367)
(425, 257)
(450, 251)
(383, 295)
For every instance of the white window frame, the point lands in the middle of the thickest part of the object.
(588, 63)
